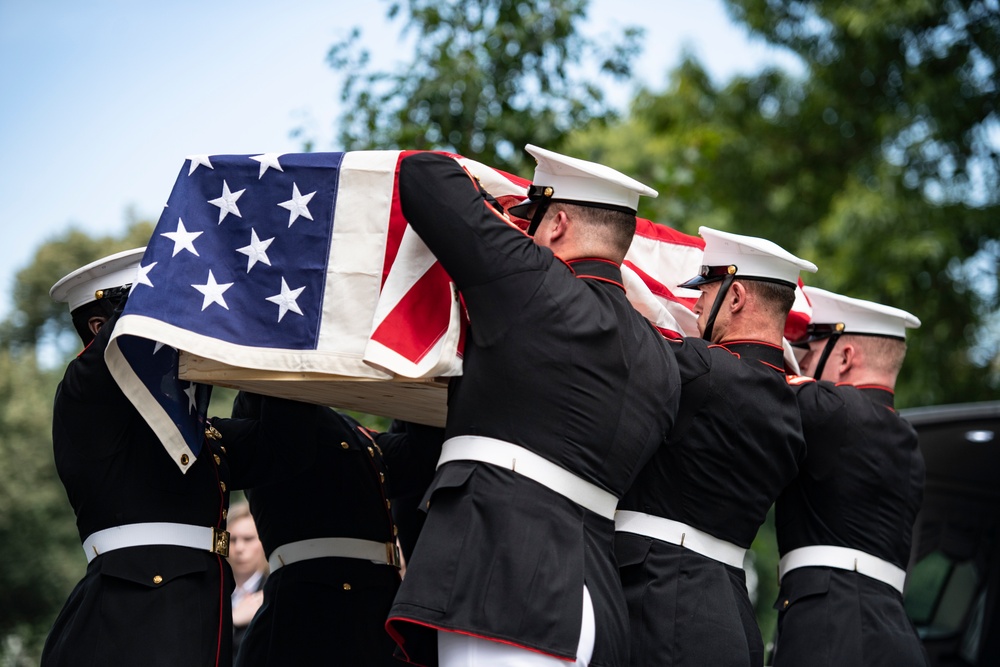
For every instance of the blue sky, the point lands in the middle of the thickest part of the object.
(102, 100)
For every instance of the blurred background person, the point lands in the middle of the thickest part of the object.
(246, 557)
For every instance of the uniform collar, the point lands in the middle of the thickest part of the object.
(597, 269)
(766, 353)
(879, 394)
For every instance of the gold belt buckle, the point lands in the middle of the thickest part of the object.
(392, 556)
(220, 542)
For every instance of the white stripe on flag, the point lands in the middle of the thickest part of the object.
(357, 252)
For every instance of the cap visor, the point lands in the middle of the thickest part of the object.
(522, 210)
(697, 281)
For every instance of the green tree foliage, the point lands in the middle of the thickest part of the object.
(917, 79)
(764, 556)
(37, 318)
(39, 546)
(486, 77)
(874, 163)
(911, 89)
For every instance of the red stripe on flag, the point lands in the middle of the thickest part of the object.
(652, 230)
(430, 294)
(397, 223)
(658, 288)
(796, 325)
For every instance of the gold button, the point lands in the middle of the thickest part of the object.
(345, 445)
(371, 452)
(395, 531)
(225, 513)
(223, 449)
(157, 579)
(388, 504)
(786, 604)
(347, 587)
(184, 459)
(222, 485)
(381, 477)
(218, 461)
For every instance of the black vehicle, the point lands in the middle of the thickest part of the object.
(953, 586)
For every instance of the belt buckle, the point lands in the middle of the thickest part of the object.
(220, 542)
(392, 556)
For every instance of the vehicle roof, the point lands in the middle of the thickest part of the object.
(961, 448)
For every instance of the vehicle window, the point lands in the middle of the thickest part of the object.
(940, 594)
(972, 639)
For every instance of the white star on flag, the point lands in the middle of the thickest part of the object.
(142, 276)
(286, 299)
(267, 160)
(256, 251)
(227, 202)
(197, 160)
(297, 205)
(183, 239)
(191, 391)
(213, 292)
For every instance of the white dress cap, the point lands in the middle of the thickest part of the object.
(858, 316)
(79, 287)
(753, 257)
(583, 182)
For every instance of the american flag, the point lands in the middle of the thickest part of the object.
(659, 259)
(293, 262)
(305, 263)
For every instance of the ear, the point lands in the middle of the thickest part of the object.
(95, 323)
(737, 297)
(846, 357)
(560, 226)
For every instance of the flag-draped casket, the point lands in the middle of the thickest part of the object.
(296, 275)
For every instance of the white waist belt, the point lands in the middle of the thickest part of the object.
(681, 534)
(384, 553)
(531, 465)
(149, 534)
(843, 558)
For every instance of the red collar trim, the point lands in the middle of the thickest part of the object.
(751, 342)
(593, 259)
(87, 346)
(597, 268)
(880, 387)
(602, 279)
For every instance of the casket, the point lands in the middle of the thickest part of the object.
(423, 401)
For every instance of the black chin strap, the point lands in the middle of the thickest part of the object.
(719, 298)
(830, 344)
(542, 195)
(540, 210)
